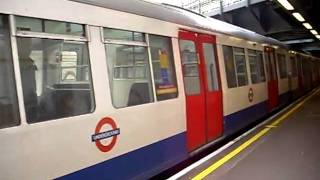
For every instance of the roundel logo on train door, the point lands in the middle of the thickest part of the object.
(105, 135)
(250, 95)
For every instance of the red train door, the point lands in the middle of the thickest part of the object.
(273, 91)
(202, 87)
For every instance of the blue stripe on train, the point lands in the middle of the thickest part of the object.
(238, 120)
(138, 164)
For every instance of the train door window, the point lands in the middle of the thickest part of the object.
(212, 75)
(268, 70)
(273, 66)
(293, 66)
(9, 112)
(241, 68)
(256, 66)
(269, 56)
(55, 73)
(163, 67)
(282, 66)
(190, 69)
(229, 66)
(128, 67)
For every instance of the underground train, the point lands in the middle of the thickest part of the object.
(94, 89)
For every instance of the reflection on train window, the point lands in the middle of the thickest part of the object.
(129, 75)
(48, 26)
(256, 66)
(211, 69)
(163, 67)
(229, 66)
(282, 64)
(190, 69)
(116, 34)
(9, 112)
(241, 68)
(293, 66)
(56, 79)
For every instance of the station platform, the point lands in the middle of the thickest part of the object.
(286, 146)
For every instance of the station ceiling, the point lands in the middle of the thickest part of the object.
(271, 19)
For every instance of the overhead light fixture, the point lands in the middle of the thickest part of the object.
(286, 4)
(298, 16)
(307, 25)
(314, 32)
(298, 41)
(318, 36)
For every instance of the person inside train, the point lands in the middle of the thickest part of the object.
(28, 70)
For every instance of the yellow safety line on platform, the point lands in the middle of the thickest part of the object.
(246, 144)
(271, 126)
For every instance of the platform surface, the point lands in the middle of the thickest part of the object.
(289, 150)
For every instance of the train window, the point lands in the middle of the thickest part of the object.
(211, 69)
(261, 66)
(28, 24)
(116, 34)
(190, 68)
(256, 66)
(293, 66)
(9, 112)
(48, 26)
(282, 66)
(299, 65)
(129, 75)
(163, 67)
(241, 68)
(57, 27)
(229, 66)
(56, 77)
(254, 69)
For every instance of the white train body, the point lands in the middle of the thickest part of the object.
(149, 137)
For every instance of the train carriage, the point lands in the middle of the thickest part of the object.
(117, 90)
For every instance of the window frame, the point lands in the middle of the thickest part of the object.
(244, 54)
(145, 44)
(15, 73)
(46, 35)
(234, 66)
(282, 60)
(234, 54)
(294, 66)
(15, 34)
(173, 64)
(256, 55)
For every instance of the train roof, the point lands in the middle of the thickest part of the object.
(182, 17)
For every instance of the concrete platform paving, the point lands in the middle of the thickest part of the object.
(288, 151)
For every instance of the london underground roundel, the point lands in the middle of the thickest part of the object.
(105, 135)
